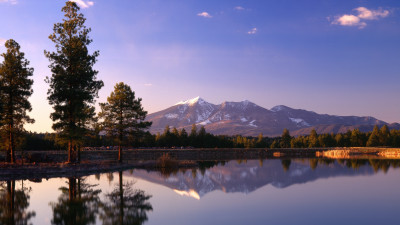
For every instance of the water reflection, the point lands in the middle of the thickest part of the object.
(77, 204)
(116, 199)
(125, 205)
(14, 204)
(286, 164)
(247, 176)
(80, 203)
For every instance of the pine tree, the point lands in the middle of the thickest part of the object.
(193, 135)
(275, 144)
(73, 84)
(201, 137)
(193, 131)
(395, 138)
(373, 139)
(356, 138)
(339, 140)
(384, 135)
(183, 136)
(123, 115)
(260, 141)
(158, 139)
(16, 88)
(175, 137)
(167, 131)
(286, 138)
(313, 139)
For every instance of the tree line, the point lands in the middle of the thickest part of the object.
(198, 137)
(73, 89)
(353, 138)
(202, 139)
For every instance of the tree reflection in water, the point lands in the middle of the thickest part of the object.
(14, 203)
(77, 204)
(376, 163)
(286, 164)
(125, 205)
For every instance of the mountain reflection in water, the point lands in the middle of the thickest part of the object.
(247, 176)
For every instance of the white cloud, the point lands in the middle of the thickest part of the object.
(239, 8)
(367, 14)
(83, 4)
(148, 85)
(252, 31)
(349, 20)
(357, 20)
(204, 14)
(13, 2)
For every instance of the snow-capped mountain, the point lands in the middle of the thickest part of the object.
(247, 118)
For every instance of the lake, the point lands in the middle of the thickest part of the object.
(274, 191)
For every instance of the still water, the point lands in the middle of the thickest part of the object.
(296, 191)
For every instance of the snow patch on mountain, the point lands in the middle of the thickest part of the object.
(190, 101)
(203, 114)
(171, 116)
(299, 121)
(216, 117)
(204, 122)
(278, 108)
(194, 101)
(252, 123)
(182, 108)
(243, 119)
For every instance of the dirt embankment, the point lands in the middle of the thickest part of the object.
(359, 152)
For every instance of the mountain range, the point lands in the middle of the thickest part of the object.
(248, 119)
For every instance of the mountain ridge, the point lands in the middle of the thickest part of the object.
(249, 119)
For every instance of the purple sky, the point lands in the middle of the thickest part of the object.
(328, 56)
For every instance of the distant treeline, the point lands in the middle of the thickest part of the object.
(200, 138)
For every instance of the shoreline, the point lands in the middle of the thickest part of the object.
(94, 162)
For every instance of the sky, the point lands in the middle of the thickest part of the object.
(339, 57)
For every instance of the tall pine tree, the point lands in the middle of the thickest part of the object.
(123, 115)
(73, 84)
(384, 135)
(313, 139)
(373, 139)
(16, 88)
(285, 139)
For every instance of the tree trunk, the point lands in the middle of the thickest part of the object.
(79, 154)
(119, 153)
(79, 189)
(11, 199)
(69, 151)
(11, 145)
(121, 196)
(73, 159)
(72, 189)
